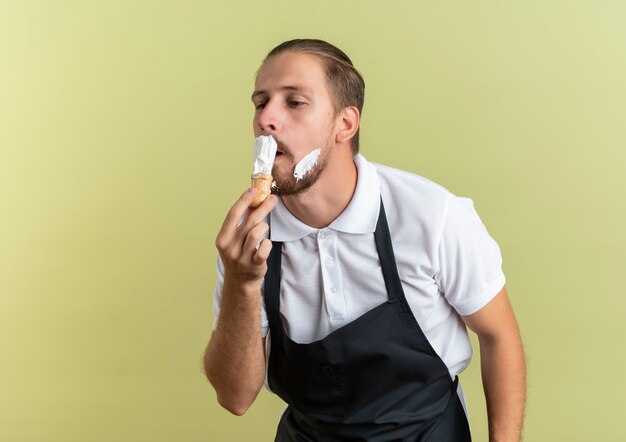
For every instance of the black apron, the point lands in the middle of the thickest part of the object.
(376, 379)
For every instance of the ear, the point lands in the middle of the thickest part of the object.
(348, 124)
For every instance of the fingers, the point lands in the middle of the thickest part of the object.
(242, 247)
(257, 215)
(238, 209)
(254, 237)
(261, 255)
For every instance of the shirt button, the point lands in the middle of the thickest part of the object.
(333, 290)
(329, 260)
(322, 235)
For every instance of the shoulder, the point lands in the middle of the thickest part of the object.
(410, 194)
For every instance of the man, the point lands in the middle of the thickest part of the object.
(365, 284)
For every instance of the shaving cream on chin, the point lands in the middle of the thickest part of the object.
(305, 165)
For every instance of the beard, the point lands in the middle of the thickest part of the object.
(290, 185)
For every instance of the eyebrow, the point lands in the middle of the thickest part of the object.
(303, 89)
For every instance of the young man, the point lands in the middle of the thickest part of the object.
(365, 284)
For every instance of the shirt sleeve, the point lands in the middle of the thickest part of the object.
(470, 264)
(217, 299)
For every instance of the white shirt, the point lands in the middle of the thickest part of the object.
(447, 262)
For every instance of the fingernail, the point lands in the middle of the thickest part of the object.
(273, 198)
(251, 191)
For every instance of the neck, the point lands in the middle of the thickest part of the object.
(325, 200)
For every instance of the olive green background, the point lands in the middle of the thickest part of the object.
(125, 135)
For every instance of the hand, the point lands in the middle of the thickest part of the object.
(244, 263)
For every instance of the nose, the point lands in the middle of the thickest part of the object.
(268, 118)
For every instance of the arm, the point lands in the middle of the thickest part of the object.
(234, 359)
(503, 367)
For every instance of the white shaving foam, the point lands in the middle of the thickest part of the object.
(305, 165)
(263, 154)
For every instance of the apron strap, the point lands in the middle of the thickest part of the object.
(271, 290)
(387, 258)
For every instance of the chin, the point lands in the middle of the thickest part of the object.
(291, 186)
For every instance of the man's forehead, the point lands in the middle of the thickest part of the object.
(290, 71)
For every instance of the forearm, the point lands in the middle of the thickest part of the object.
(504, 381)
(235, 358)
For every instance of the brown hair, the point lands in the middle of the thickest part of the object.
(346, 83)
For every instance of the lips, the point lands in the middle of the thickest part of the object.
(280, 150)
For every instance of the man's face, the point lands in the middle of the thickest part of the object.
(293, 104)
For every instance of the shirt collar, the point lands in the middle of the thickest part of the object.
(359, 217)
